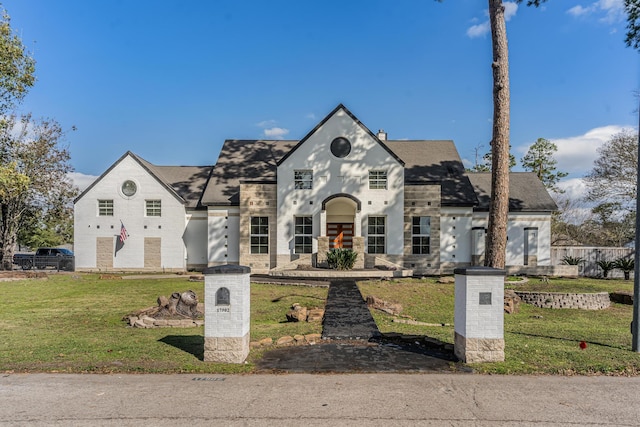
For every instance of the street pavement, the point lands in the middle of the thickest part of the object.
(313, 400)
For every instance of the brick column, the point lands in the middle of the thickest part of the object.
(323, 248)
(358, 247)
(226, 313)
(479, 314)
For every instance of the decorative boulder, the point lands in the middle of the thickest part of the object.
(388, 307)
(297, 313)
(511, 302)
(315, 315)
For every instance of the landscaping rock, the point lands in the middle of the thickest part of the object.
(382, 305)
(286, 340)
(315, 315)
(511, 302)
(266, 342)
(312, 338)
(447, 279)
(297, 313)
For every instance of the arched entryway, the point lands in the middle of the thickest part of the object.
(340, 226)
(340, 222)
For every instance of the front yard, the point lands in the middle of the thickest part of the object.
(73, 323)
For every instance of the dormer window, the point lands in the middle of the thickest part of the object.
(303, 179)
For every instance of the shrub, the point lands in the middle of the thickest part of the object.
(627, 265)
(606, 266)
(573, 260)
(341, 259)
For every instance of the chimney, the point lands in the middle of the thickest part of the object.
(382, 135)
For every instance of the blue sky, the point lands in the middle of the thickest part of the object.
(171, 80)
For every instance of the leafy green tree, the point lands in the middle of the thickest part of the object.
(610, 225)
(485, 166)
(17, 66)
(613, 177)
(539, 159)
(38, 191)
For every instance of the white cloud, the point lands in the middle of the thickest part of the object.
(276, 132)
(479, 30)
(81, 180)
(310, 116)
(609, 11)
(576, 154)
(266, 123)
(578, 11)
(510, 10)
(574, 188)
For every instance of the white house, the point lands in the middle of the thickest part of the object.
(274, 205)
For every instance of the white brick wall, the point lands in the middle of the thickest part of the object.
(170, 227)
(473, 320)
(232, 320)
(348, 175)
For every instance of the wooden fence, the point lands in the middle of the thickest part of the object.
(591, 255)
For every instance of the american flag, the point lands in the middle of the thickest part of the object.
(123, 233)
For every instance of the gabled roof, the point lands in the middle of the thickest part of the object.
(243, 160)
(436, 161)
(355, 119)
(526, 192)
(185, 183)
(250, 160)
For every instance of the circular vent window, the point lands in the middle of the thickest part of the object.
(129, 188)
(340, 147)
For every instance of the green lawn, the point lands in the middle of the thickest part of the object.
(73, 323)
(537, 340)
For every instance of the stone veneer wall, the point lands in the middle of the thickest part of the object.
(422, 200)
(595, 301)
(258, 200)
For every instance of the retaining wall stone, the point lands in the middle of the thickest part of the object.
(594, 301)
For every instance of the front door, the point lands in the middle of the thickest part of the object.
(340, 235)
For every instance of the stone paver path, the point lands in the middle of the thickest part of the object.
(352, 343)
(346, 315)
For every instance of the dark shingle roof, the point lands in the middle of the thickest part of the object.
(185, 183)
(436, 161)
(526, 192)
(243, 160)
(188, 181)
(250, 160)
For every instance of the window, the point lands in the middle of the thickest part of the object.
(302, 235)
(420, 235)
(105, 207)
(259, 235)
(154, 207)
(303, 180)
(377, 180)
(376, 235)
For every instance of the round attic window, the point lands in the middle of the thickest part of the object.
(340, 147)
(129, 188)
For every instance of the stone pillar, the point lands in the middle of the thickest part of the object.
(323, 248)
(226, 313)
(479, 314)
(358, 247)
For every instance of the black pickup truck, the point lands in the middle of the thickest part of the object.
(59, 258)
